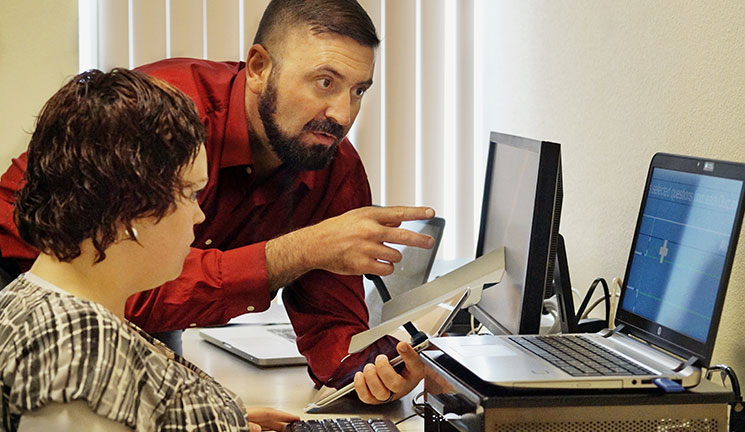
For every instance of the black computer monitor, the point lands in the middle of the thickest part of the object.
(520, 210)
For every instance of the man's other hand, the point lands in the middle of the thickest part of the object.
(380, 383)
(353, 243)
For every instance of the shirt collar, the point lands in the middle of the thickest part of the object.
(41, 282)
(236, 148)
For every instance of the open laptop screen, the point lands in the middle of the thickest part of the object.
(680, 251)
(682, 254)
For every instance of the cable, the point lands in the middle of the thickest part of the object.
(726, 372)
(615, 286)
(474, 328)
(551, 306)
(592, 306)
(406, 418)
(736, 407)
(417, 406)
(590, 291)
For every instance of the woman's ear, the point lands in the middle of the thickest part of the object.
(258, 68)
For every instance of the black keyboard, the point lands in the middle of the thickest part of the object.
(579, 356)
(350, 424)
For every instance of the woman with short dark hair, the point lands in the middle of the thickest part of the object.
(114, 167)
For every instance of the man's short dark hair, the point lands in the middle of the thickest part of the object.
(342, 17)
(108, 148)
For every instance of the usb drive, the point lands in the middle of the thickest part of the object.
(668, 385)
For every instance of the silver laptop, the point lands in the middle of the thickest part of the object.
(671, 299)
(268, 339)
(265, 339)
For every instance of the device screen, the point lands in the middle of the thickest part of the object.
(680, 251)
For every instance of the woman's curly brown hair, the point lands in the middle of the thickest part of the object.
(108, 148)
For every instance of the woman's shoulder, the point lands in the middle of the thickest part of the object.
(42, 317)
(60, 345)
(73, 346)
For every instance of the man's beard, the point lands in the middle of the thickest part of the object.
(290, 149)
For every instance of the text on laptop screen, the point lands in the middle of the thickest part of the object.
(679, 255)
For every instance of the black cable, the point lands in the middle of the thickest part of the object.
(736, 407)
(406, 418)
(586, 300)
(417, 406)
(727, 372)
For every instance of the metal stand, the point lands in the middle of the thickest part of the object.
(458, 401)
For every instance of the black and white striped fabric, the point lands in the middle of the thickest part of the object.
(55, 347)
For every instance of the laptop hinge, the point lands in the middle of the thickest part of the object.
(690, 362)
(616, 329)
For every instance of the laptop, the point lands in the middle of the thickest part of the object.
(671, 298)
(268, 339)
(265, 340)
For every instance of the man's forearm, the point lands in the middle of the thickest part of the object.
(286, 258)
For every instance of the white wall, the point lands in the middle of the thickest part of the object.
(38, 53)
(615, 82)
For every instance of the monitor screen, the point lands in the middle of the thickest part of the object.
(520, 211)
(681, 248)
(413, 269)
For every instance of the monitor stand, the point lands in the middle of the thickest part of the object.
(570, 323)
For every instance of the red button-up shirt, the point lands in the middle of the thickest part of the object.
(225, 273)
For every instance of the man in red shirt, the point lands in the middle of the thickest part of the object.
(288, 202)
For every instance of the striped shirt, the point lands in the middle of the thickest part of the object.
(55, 347)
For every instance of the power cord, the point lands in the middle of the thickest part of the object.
(417, 406)
(737, 408)
(606, 297)
(551, 307)
(615, 288)
(475, 329)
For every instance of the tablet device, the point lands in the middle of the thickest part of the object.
(434, 323)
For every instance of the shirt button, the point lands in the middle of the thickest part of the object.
(193, 325)
(208, 242)
(250, 308)
(248, 170)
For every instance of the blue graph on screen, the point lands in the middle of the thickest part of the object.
(680, 251)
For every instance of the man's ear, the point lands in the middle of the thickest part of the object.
(258, 68)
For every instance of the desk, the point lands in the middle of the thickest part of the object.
(288, 388)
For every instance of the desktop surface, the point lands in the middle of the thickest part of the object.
(287, 388)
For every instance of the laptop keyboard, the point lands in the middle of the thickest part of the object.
(285, 332)
(579, 356)
(350, 424)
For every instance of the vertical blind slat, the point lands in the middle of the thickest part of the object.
(252, 11)
(222, 30)
(400, 134)
(149, 31)
(366, 133)
(465, 232)
(186, 28)
(432, 79)
(113, 34)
